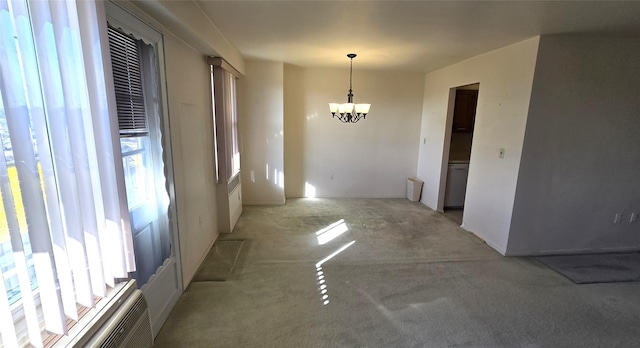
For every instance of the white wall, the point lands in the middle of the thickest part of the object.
(261, 120)
(372, 158)
(505, 76)
(189, 36)
(186, 20)
(188, 86)
(581, 157)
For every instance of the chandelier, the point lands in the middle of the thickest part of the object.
(349, 112)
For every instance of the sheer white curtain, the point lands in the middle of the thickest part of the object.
(231, 125)
(64, 214)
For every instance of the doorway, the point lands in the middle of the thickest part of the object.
(461, 118)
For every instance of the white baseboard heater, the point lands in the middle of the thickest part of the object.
(229, 198)
(126, 324)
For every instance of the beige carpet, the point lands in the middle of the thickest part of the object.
(395, 274)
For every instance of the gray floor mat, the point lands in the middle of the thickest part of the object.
(219, 263)
(596, 268)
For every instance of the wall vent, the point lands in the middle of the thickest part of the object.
(233, 183)
(129, 326)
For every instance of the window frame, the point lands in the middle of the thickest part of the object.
(130, 20)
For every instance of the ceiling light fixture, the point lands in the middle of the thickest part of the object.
(349, 112)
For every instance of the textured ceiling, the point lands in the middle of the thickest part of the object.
(406, 35)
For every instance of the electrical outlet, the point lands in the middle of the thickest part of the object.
(617, 218)
(634, 217)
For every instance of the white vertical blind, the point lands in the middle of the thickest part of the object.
(227, 137)
(215, 127)
(232, 150)
(8, 332)
(232, 126)
(116, 231)
(61, 179)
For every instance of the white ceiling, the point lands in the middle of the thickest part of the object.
(406, 35)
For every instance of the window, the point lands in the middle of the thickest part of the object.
(127, 81)
(226, 118)
(65, 241)
(135, 78)
(232, 127)
(132, 119)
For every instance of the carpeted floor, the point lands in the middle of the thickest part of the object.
(454, 215)
(390, 273)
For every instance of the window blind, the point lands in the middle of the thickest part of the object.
(231, 126)
(227, 138)
(65, 240)
(127, 79)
